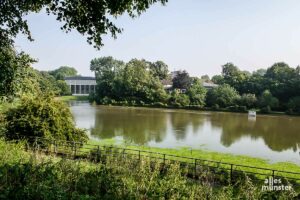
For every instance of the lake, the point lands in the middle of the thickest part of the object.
(275, 138)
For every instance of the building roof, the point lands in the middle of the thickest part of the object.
(80, 78)
(212, 85)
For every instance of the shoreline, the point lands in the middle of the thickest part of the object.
(85, 98)
(207, 155)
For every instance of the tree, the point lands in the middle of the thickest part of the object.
(234, 77)
(13, 66)
(178, 99)
(182, 80)
(282, 81)
(159, 69)
(64, 89)
(260, 72)
(108, 72)
(222, 96)
(267, 100)
(140, 84)
(248, 100)
(62, 72)
(90, 18)
(218, 79)
(294, 105)
(197, 93)
(205, 78)
(42, 116)
(132, 81)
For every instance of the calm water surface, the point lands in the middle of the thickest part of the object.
(275, 138)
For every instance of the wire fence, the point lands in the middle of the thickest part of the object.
(195, 166)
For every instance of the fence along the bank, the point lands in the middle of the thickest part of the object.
(229, 171)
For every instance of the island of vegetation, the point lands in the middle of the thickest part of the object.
(144, 83)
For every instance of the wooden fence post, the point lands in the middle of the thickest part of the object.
(231, 174)
(75, 149)
(55, 147)
(195, 167)
(98, 157)
(139, 154)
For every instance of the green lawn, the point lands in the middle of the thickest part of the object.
(209, 155)
(73, 98)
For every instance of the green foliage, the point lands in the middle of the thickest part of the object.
(218, 79)
(12, 66)
(267, 100)
(248, 100)
(62, 72)
(197, 93)
(24, 176)
(131, 82)
(64, 89)
(178, 99)
(222, 96)
(182, 80)
(42, 116)
(294, 105)
(159, 69)
(234, 77)
(90, 18)
(280, 79)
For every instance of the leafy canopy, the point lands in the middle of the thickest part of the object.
(90, 18)
(62, 72)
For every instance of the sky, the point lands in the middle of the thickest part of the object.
(194, 35)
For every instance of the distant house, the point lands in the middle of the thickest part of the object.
(81, 85)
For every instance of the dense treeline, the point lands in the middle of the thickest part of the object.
(142, 83)
(139, 82)
(276, 88)
(18, 78)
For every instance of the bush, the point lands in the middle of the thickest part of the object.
(268, 101)
(223, 95)
(237, 108)
(248, 100)
(294, 105)
(265, 109)
(178, 99)
(42, 117)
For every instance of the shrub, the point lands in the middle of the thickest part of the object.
(294, 105)
(223, 95)
(237, 108)
(42, 117)
(267, 100)
(248, 100)
(178, 99)
(265, 109)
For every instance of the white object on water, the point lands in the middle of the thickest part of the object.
(252, 113)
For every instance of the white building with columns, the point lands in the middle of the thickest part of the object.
(81, 85)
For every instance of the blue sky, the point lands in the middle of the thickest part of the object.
(196, 35)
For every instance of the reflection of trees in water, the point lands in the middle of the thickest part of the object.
(135, 125)
(181, 121)
(279, 133)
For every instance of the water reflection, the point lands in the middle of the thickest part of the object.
(133, 125)
(273, 136)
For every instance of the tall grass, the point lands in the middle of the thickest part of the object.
(25, 175)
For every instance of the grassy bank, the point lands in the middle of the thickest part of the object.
(26, 175)
(208, 155)
(73, 98)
